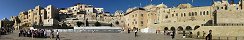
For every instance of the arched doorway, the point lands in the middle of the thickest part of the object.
(196, 27)
(188, 28)
(172, 28)
(79, 23)
(180, 28)
(166, 28)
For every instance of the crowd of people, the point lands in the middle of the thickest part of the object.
(6, 30)
(33, 33)
(40, 33)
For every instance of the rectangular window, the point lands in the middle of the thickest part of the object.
(176, 14)
(141, 22)
(189, 14)
(141, 15)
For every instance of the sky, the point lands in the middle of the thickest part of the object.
(13, 7)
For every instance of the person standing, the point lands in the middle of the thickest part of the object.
(184, 34)
(209, 36)
(203, 35)
(173, 35)
(136, 33)
(51, 34)
(57, 36)
(198, 34)
(128, 30)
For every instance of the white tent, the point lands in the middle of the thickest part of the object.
(148, 30)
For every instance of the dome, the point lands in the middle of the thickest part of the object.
(162, 6)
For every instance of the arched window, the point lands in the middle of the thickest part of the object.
(196, 13)
(203, 12)
(184, 14)
(207, 13)
(200, 13)
(189, 13)
(176, 14)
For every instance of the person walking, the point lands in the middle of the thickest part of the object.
(51, 34)
(209, 36)
(57, 36)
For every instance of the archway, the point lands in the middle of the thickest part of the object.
(79, 23)
(180, 28)
(166, 28)
(188, 28)
(172, 28)
(196, 27)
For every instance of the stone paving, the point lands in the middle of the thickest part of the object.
(97, 36)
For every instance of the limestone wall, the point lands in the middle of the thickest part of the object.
(222, 30)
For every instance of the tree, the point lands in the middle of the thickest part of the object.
(97, 24)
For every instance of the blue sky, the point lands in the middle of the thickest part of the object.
(13, 7)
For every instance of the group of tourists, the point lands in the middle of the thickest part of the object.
(6, 30)
(172, 34)
(40, 33)
(135, 30)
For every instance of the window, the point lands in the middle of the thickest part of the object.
(196, 13)
(192, 13)
(176, 14)
(166, 16)
(141, 22)
(207, 13)
(184, 14)
(200, 13)
(203, 12)
(141, 15)
(189, 14)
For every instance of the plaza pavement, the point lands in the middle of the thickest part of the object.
(98, 36)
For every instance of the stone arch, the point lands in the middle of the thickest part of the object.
(172, 28)
(166, 28)
(180, 28)
(79, 23)
(196, 27)
(188, 28)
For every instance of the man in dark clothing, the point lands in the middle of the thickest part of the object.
(173, 35)
(128, 30)
(135, 33)
(57, 36)
(209, 36)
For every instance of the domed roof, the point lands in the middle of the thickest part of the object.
(162, 6)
